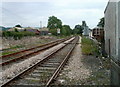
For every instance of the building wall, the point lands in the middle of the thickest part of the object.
(112, 32)
(119, 30)
(110, 29)
(90, 34)
(98, 34)
(86, 31)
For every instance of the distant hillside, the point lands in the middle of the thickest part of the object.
(4, 28)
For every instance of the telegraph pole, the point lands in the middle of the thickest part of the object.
(40, 24)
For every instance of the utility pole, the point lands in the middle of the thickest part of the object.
(40, 24)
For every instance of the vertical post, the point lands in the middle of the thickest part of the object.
(119, 50)
(40, 24)
(109, 48)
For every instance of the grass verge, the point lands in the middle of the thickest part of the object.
(89, 47)
(6, 52)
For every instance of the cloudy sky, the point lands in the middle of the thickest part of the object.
(70, 12)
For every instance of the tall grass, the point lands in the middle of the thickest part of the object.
(89, 47)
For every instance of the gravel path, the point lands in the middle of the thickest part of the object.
(83, 70)
(15, 69)
(76, 67)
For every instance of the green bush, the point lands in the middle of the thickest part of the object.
(53, 31)
(17, 35)
(86, 41)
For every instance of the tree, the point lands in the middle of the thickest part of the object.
(18, 26)
(78, 29)
(84, 23)
(101, 22)
(66, 30)
(53, 24)
(16, 30)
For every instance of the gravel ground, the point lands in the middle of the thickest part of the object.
(83, 70)
(17, 68)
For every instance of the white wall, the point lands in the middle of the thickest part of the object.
(86, 31)
(110, 28)
(119, 30)
(112, 32)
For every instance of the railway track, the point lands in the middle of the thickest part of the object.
(45, 71)
(10, 59)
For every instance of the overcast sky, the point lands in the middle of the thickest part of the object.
(70, 12)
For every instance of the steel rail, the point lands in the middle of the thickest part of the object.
(56, 73)
(32, 48)
(24, 56)
(32, 67)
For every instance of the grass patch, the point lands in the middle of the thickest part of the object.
(61, 37)
(10, 52)
(17, 46)
(99, 78)
(89, 47)
(14, 47)
(6, 53)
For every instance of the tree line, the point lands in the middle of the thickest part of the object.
(54, 24)
(16, 35)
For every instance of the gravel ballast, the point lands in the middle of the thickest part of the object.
(83, 70)
(17, 68)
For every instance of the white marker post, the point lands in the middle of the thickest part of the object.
(58, 31)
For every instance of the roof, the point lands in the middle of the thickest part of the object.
(44, 29)
(107, 6)
(13, 29)
(32, 30)
(98, 27)
(19, 28)
(29, 28)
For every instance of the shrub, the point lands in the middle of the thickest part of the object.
(89, 47)
(17, 35)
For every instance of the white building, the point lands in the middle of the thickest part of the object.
(90, 33)
(86, 31)
(112, 38)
